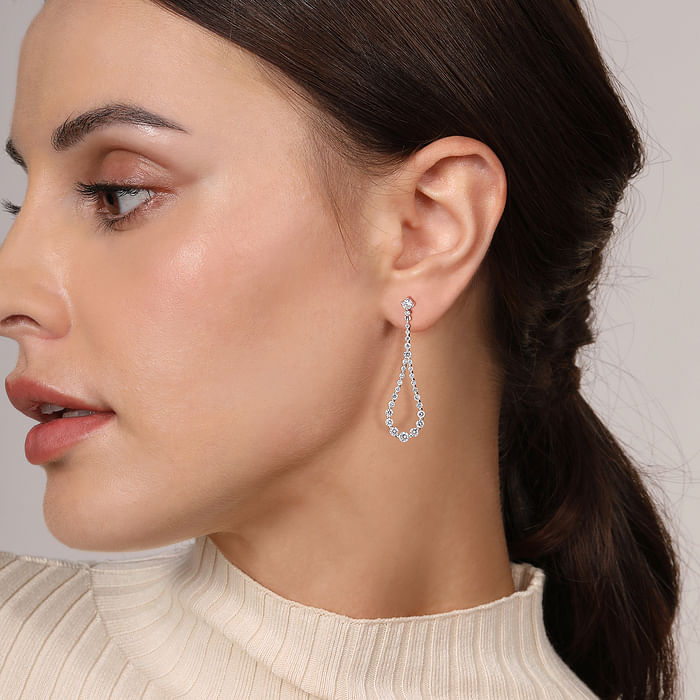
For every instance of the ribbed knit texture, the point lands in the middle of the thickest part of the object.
(190, 624)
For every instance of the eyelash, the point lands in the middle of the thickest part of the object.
(10, 208)
(93, 192)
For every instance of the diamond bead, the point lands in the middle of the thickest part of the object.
(408, 303)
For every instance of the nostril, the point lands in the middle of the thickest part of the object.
(16, 320)
(31, 308)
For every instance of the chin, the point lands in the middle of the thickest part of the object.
(86, 524)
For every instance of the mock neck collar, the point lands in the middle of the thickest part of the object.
(193, 605)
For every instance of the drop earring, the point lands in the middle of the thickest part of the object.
(407, 305)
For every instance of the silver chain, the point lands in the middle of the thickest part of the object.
(407, 305)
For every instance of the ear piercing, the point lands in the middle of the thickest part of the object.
(407, 305)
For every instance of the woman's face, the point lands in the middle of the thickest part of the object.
(207, 298)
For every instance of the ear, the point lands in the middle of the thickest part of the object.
(437, 221)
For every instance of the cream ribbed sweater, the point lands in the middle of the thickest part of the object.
(189, 624)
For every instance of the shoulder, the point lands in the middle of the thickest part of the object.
(46, 610)
(36, 592)
(30, 586)
(52, 636)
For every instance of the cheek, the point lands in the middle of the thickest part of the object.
(228, 324)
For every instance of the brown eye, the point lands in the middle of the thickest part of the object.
(121, 201)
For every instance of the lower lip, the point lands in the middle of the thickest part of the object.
(48, 441)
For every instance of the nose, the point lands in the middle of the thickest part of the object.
(32, 301)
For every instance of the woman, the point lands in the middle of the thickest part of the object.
(243, 222)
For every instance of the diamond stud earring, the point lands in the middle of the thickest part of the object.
(407, 305)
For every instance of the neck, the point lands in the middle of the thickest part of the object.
(378, 528)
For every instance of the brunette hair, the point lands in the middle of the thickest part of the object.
(527, 79)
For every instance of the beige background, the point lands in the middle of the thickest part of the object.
(643, 373)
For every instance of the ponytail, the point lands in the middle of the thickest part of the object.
(575, 506)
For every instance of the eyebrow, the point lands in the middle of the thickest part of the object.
(76, 129)
(12, 151)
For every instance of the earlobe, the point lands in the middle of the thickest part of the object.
(453, 196)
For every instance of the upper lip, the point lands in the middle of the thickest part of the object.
(28, 395)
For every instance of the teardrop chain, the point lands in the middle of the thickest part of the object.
(407, 305)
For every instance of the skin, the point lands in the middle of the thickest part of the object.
(248, 355)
